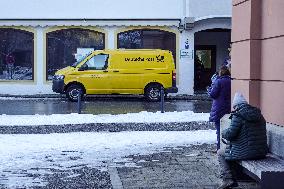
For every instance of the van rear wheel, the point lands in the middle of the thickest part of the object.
(73, 92)
(153, 92)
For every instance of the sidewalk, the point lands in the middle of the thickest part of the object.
(194, 167)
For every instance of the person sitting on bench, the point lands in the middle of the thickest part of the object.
(245, 139)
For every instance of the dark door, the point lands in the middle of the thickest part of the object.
(204, 66)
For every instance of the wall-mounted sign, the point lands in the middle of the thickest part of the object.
(186, 53)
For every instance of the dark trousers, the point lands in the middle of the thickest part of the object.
(217, 126)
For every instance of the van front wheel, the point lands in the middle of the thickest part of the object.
(73, 92)
(153, 92)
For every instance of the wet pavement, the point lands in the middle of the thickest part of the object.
(31, 106)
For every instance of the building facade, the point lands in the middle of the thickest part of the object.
(39, 37)
(257, 55)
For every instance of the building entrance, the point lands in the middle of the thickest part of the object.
(211, 51)
(204, 66)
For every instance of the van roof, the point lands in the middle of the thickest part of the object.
(113, 51)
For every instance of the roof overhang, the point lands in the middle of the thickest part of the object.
(89, 22)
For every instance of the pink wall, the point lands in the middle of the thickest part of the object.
(258, 55)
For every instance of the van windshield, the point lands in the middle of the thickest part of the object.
(75, 64)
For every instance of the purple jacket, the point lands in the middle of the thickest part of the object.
(220, 91)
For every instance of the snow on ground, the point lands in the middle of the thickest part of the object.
(38, 154)
(142, 117)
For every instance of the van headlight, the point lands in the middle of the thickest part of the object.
(58, 77)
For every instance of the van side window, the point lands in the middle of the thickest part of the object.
(97, 62)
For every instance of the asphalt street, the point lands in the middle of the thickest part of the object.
(31, 106)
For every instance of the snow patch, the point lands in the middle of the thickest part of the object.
(74, 118)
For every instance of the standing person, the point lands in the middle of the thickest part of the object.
(220, 91)
(246, 138)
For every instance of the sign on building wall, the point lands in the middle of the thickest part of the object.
(186, 53)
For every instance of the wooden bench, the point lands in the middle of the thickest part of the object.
(269, 172)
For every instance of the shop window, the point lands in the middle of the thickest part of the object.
(64, 45)
(16, 54)
(147, 39)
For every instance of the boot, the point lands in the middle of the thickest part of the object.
(227, 184)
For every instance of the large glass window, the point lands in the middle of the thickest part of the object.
(148, 39)
(64, 45)
(16, 54)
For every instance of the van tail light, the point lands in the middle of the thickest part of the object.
(174, 75)
(174, 79)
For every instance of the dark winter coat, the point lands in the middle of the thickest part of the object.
(220, 91)
(246, 134)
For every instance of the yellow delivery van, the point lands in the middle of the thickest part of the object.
(139, 71)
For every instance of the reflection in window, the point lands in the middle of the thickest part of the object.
(97, 62)
(130, 40)
(148, 39)
(63, 45)
(16, 54)
(205, 58)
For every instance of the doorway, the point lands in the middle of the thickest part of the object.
(204, 66)
(211, 50)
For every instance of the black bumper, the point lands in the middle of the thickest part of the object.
(58, 86)
(171, 90)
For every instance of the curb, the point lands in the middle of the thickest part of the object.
(62, 96)
(107, 127)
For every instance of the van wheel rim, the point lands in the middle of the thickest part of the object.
(74, 93)
(154, 93)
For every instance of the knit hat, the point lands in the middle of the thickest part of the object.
(238, 99)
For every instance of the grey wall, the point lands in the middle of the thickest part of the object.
(201, 9)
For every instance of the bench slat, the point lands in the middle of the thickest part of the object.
(269, 164)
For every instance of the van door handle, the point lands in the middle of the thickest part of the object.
(115, 71)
